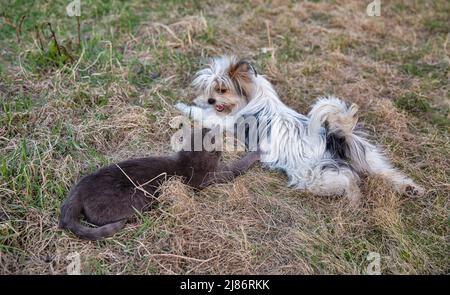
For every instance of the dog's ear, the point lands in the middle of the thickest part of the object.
(242, 69)
(241, 73)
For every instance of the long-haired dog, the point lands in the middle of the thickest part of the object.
(321, 152)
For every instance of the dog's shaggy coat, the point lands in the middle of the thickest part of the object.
(321, 152)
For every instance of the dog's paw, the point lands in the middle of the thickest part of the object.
(201, 102)
(413, 190)
(182, 107)
(354, 196)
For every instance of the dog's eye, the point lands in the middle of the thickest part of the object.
(222, 90)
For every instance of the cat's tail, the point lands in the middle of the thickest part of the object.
(70, 219)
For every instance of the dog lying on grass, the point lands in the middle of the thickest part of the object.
(321, 153)
(110, 196)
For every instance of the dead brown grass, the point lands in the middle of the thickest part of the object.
(255, 224)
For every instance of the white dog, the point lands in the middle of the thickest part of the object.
(321, 153)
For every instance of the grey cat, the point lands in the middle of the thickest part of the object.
(110, 196)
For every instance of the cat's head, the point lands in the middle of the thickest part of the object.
(202, 149)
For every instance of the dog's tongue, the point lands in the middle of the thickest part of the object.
(220, 107)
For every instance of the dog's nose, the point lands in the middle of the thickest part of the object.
(211, 101)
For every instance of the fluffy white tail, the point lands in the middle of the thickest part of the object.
(334, 114)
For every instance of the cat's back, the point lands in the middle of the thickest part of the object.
(145, 169)
(125, 175)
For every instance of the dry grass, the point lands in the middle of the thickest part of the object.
(116, 99)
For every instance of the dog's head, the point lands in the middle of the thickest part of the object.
(226, 84)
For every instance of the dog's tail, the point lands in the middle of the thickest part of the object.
(70, 219)
(333, 114)
(339, 121)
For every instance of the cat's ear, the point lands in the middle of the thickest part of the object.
(205, 131)
(213, 140)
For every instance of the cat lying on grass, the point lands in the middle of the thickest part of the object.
(110, 196)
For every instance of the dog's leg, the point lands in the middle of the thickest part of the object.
(200, 101)
(364, 157)
(206, 116)
(227, 173)
(193, 112)
(336, 182)
(377, 164)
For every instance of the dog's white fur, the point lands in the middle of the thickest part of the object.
(297, 144)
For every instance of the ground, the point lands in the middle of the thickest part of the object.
(68, 109)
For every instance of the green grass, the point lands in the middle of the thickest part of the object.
(437, 25)
(420, 107)
(426, 70)
(413, 103)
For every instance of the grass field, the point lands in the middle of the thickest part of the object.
(66, 112)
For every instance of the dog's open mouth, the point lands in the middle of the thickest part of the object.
(220, 107)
